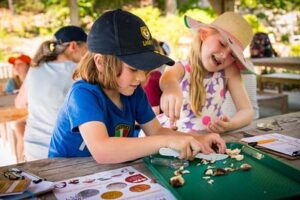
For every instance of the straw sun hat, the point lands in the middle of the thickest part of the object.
(234, 29)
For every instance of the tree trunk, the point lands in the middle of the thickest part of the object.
(221, 6)
(11, 6)
(171, 7)
(74, 12)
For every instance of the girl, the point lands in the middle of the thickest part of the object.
(100, 110)
(46, 86)
(193, 91)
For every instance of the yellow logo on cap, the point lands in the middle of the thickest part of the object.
(145, 32)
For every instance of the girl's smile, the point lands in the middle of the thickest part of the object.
(217, 54)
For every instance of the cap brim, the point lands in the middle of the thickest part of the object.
(241, 62)
(12, 60)
(146, 61)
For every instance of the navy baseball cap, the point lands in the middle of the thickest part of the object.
(126, 36)
(70, 33)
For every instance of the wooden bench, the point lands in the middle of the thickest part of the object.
(279, 79)
(273, 99)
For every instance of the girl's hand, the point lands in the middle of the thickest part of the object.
(171, 102)
(220, 125)
(209, 141)
(187, 145)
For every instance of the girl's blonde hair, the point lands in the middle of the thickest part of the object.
(49, 50)
(87, 70)
(198, 72)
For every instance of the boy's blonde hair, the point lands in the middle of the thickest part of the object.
(87, 70)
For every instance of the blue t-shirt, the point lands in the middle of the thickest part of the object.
(10, 86)
(87, 102)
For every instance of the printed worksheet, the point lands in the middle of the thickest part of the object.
(122, 183)
(281, 143)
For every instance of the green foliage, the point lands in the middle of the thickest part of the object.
(279, 4)
(34, 6)
(295, 50)
(2, 55)
(203, 15)
(285, 38)
(256, 25)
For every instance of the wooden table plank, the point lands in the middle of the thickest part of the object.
(292, 63)
(65, 168)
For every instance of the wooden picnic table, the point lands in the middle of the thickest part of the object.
(58, 169)
(12, 113)
(291, 63)
(8, 111)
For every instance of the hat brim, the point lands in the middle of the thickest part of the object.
(12, 60)
(233, 44)
(146, 61)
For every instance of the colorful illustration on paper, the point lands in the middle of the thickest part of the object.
(122, 183)
(111, 195)
(87, 193)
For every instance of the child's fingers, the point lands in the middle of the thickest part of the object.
(177, 107)
(164, 105)
(171, 108)
(182, 154)
(189, 153)
(221, 144)
(224, 118)
(209, 128)
(213, 128)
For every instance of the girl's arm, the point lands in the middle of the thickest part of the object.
(21, 98)
(171, 99)
(105, 149)
(245, 112)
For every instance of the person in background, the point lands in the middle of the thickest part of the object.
(151, 85)
(98, 116)
(194, 91)
(20, 67)
(46, 86)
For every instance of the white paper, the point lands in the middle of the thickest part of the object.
(122, 183)
(283, 144)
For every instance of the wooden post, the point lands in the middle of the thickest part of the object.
(74, 12)
(221, 6)
(171, 7)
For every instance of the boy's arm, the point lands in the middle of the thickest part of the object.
(171, 99)
(207, 140)
(105, 149)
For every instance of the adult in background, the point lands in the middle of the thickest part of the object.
(46, 86)
(20, 65)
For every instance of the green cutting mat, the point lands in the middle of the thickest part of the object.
(269, 178)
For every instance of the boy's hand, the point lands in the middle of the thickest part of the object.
(171, 102)
(220, 125)
(187, 145)
(210, 142)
